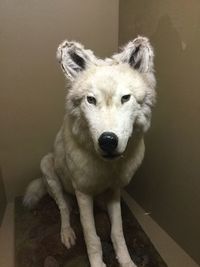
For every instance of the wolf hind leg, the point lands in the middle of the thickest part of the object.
(54, 188)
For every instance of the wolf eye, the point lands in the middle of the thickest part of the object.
(91, 100)
(125, 98)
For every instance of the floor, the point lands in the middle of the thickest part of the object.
(172, 254)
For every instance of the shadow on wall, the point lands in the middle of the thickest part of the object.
(167, 184)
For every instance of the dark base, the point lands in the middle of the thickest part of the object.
(38, 243)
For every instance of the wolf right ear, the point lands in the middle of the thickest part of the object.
(138, 54)
(73, 58)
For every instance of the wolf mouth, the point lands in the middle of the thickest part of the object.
(111, 156)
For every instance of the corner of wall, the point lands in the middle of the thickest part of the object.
(3, 200)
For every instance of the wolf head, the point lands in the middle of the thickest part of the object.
(109, 101)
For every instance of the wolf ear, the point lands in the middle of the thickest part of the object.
(138, 54)
(73, 58)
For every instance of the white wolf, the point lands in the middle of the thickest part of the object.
(100, 144)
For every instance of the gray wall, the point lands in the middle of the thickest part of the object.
(168, 183)
(32, 84)
(2, 197)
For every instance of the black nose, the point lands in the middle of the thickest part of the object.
(108, 142)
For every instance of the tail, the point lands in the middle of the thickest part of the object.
(34, 192)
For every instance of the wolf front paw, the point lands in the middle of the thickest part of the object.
(96, 262)
(99, 265)
(68, 237)
(128, 264)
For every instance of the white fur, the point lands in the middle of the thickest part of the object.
(77, 161)
(34, 192)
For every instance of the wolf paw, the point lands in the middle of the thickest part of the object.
(96, 261)
(68, 237)
(97, 265)
(128, 264)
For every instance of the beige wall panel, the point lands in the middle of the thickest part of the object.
(32, 85)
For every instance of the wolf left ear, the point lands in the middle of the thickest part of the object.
(138, 54)
(73, 58)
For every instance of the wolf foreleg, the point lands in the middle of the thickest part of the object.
(55, 190)
(117, 236)
(92, 240)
